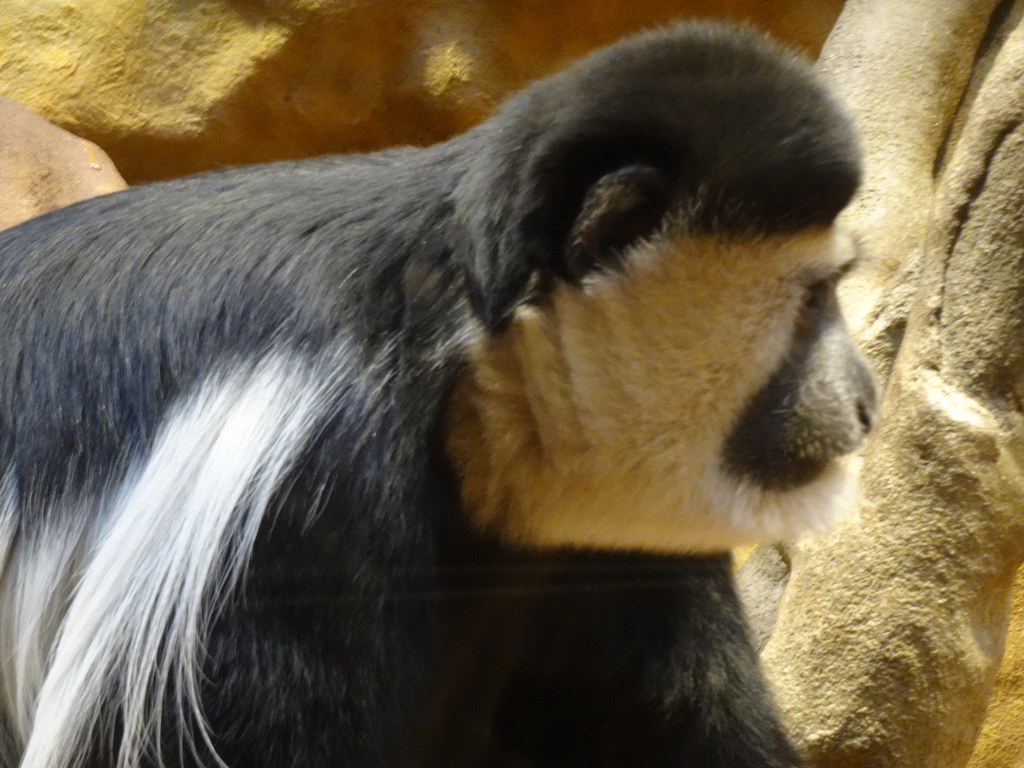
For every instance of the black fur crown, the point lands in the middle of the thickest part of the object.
(711, 125)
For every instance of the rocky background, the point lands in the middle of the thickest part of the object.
(169, 87)
(885, 638)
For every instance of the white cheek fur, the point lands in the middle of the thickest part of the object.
(682, 512)
(758, 515)
(598, 421)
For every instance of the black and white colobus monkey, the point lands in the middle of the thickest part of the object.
(422, 458)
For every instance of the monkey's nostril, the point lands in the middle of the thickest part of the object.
(866, 415)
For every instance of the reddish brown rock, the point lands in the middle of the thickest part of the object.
(43, 167)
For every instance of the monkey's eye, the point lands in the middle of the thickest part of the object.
(818, 293)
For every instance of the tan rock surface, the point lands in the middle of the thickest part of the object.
(1001, 743)
(43, 167)
(168, 88)
(890, 629)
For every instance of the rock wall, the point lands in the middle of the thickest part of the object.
(169, 88)
(887, 634)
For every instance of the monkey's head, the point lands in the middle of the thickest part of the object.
(650, 243)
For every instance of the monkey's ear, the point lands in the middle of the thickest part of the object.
(563, 211)
(618, 210)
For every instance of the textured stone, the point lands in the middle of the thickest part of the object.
(43, 167)
(890, 629)
(170, 87)
(1001, 743)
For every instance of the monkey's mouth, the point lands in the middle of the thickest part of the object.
(783, 455)
(777, 471)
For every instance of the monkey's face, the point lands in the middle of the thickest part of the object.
(701, 395)
(683, 379)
